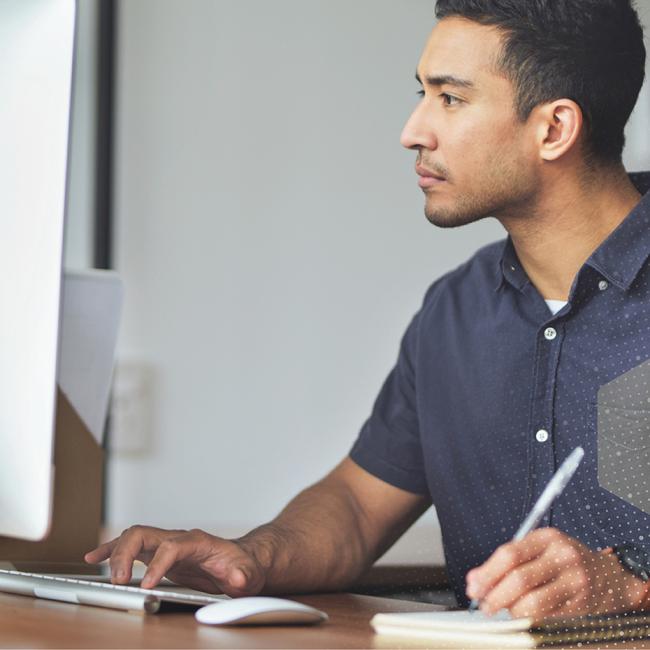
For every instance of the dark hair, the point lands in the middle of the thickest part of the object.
(589, 51)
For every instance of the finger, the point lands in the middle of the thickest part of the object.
(193, 579)
(233, 569)
(203, 553)
(101, 553)
(564, 596)
(130, 545)
(168, 553)
(506, 558)
(520, 581)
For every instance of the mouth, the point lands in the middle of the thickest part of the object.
(427, 178)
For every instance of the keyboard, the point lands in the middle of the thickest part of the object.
(101, 594)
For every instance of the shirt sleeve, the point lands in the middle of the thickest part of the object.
(389, 445)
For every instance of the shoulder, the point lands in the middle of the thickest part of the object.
(475, 279)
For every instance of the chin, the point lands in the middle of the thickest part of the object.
(451, 219)
(467, 209)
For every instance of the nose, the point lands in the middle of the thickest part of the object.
(419, 130)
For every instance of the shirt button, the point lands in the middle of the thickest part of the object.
(603, 284)
(550, 333)
(542, 435)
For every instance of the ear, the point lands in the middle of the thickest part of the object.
(559, 125)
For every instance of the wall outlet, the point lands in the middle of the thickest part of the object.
(131, 408)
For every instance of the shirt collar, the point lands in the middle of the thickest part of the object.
(619, 258)
(510, 270)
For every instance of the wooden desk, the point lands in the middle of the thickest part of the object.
(33, 623)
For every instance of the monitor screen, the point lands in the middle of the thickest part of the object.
(37, 45)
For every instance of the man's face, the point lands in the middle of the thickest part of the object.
(466, 131)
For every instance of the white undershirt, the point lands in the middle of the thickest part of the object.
(555, 305)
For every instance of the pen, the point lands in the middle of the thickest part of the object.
(554, 488)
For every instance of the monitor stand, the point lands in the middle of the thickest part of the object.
(76, 514)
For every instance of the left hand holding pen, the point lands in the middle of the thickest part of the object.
(548, 573)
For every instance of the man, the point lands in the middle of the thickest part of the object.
(536, 345)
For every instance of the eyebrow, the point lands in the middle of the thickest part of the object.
(445, 79)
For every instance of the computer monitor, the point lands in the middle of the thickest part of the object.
(37, 45)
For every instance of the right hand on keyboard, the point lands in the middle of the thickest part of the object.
(191, 558)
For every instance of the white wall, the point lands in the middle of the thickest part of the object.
(272, 240)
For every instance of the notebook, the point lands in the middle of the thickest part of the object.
(474, 629)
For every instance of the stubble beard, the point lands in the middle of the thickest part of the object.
(506, 190)
(466, 210)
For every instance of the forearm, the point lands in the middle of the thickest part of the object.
(315, 543)
(323, 540)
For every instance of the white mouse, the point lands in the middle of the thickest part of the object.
(259, 610)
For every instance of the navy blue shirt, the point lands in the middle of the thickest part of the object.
(491, 391)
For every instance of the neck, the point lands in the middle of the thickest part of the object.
(565, 223)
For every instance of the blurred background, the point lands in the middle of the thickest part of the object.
(238, 162)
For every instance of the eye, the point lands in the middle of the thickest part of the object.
(449, 100)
